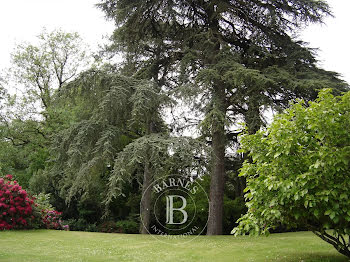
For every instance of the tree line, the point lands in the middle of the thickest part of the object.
(95, 134)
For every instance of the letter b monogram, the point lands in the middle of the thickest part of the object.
(170, 210)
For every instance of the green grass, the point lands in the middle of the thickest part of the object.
(49, 245)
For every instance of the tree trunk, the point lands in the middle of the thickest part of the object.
(146, 200)
(217, 182)
(339, 242)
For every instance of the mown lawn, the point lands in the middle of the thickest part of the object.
(49, 245)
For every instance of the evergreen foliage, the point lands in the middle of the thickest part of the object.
(236, 57)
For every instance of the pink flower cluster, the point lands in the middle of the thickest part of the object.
(16, 207)
(52, 219)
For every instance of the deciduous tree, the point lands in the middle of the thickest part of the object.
(299, 176)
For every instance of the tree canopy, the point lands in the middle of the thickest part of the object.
(234, 58)
(28, 118)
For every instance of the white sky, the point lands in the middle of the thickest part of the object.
(23, 20)
(333, 39)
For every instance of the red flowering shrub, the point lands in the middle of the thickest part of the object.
(16, 207)
(19, 211)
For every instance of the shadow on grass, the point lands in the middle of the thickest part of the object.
(312, 257)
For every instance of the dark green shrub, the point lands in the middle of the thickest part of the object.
(109, 227)
(233, 210)
(127, 227)
(77, 224)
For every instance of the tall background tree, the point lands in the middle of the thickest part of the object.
(45, 67)
(235, 58)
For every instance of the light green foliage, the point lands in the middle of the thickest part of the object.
(67, 54)
(22, 151)
(48, 65)
(43, 201)
(28, 120)
(299, 174)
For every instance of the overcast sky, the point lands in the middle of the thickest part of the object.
(23, 20)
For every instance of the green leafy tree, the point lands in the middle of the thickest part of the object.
(28, 119)
(299, 174)
(232, 58)
(45, 67)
